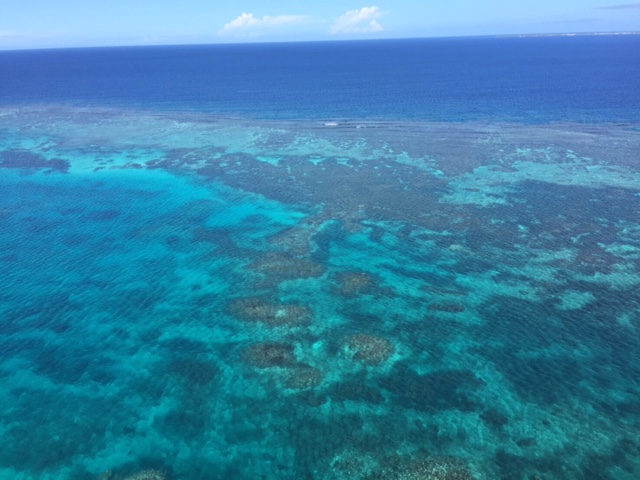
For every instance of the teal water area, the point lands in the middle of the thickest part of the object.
(193, 297)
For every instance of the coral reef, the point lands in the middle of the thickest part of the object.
(443, 468)
(351, 284)
(434, 468)
(270, 354)
(349, 215)
(147, 475)
(256, 309)
(369, 349)
(286, 267)
(358, 466)
(295, 241)
(303, 377)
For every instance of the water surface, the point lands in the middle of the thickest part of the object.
(324, 285)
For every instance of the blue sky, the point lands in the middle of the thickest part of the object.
(64, 23)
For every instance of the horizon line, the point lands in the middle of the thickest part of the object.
(444, 37)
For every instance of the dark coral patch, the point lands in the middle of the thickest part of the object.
(25, 160)
(494, 419)
(184, 346)
(295, 241)
(286, 267)
(76, 239)
(101, 215)
(351, 284)
(311, 398)
(60, 366)
(447, 307)
(270, 354)
(195, 370)
(433, 392)
(356, 391)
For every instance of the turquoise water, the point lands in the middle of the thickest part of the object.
(197, 297)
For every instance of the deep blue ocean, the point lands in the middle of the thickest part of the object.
(399, 260)
(583, 78)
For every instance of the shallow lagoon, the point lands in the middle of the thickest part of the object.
(213, 297)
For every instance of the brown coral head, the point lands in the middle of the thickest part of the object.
(270, 354)
(369, 349)
(255, 309)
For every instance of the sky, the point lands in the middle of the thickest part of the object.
(83, 23)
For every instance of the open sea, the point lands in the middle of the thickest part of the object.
(372, 260)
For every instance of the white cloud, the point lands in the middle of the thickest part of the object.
(247, 23)
(358, 21)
